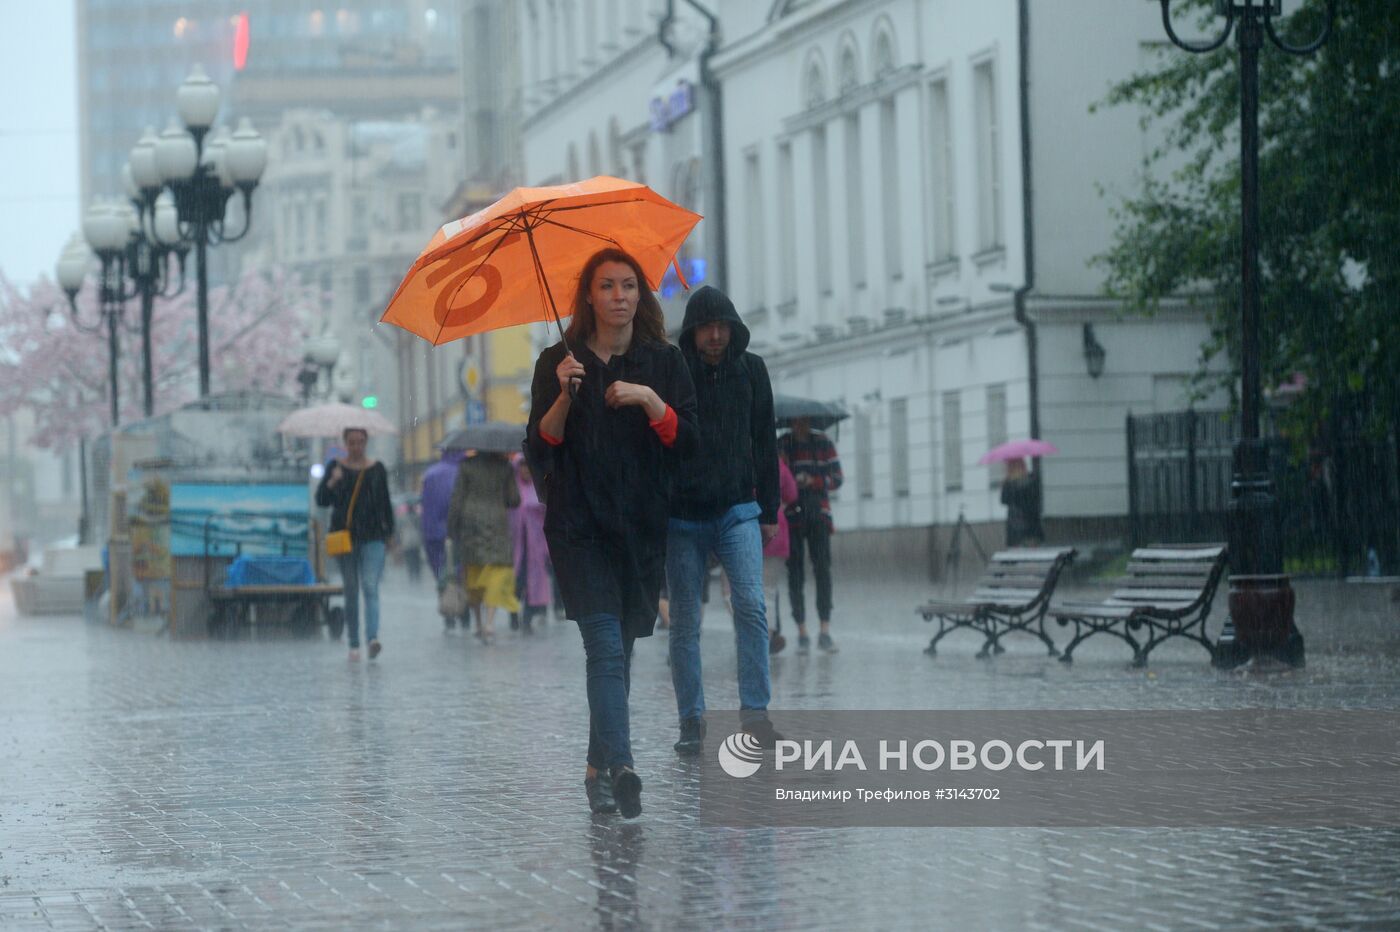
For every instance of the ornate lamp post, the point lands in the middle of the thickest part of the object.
(107, 228)
(1261, 600)
(148, 265)
(198, 179)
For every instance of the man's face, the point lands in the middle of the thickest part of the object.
(712, 340)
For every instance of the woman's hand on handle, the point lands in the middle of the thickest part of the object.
(570, 373)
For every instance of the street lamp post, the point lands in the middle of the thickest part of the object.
(106, 228)
(198, 178)
(148, 266)
(1261, 600)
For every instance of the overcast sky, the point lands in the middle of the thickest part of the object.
(38, 136)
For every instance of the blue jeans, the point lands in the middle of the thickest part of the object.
(735, 539)
(608, 652)
(360, 570)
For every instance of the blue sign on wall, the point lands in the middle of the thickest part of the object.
(665, 111)
(694, 275)
(476, 412)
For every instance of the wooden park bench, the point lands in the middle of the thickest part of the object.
(1168, 591)
(1012, 595)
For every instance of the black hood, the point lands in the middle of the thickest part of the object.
(707, 305)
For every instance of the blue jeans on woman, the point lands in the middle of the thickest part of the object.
(608, 650)
(360, 570)
(735, 539)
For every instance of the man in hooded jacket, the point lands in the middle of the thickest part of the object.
(725, 503)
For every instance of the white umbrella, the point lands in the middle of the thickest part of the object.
(332, 420)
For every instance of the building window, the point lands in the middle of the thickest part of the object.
(361, 287)
(758, 261)
(889, 170)
(322, 227)
(952, 442)
(941, 155)
(899, 446)
(855, 201)
(787, 223)
(865, 457)
(410, 211)
(989, 231)
(996, 429)
(821, 209)
(301, 229)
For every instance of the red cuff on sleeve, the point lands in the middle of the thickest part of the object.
(665, 427)
(552, 441)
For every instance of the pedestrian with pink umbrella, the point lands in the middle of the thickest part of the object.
(1020, 490)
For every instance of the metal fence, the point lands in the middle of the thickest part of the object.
(1339, 503)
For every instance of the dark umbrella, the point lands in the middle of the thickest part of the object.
(488, 437)
(821, 414)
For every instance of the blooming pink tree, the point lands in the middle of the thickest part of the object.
(257, 325)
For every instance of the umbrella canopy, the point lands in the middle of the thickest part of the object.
(488, 436)
(821, 414)
(518, 261)
(1017, 449)
(332, 420)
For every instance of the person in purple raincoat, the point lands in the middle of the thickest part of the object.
(438, 481)
(532, 571)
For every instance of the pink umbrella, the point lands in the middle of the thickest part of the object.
(1017, 449)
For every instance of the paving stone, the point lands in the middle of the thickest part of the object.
(270, 784)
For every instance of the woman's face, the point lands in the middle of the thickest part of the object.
(613, 294)
(355, 443)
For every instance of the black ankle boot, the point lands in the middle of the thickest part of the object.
(627, 790)
(600, 794)
(692, 737)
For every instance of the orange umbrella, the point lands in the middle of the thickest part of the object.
(518, 261)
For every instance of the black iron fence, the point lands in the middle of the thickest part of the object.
(1339, 502)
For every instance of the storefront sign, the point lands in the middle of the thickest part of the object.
(666, 110)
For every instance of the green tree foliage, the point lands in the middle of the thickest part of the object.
(1329, 168)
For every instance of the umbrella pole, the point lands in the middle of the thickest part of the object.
(549, 298)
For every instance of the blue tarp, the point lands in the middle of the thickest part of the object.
(269, 571)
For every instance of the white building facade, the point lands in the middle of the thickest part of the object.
(350, 205)
(903, 237)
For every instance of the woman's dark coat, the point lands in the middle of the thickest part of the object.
(478, 519)
(374, 512)
(608, 485)
(1021, 496)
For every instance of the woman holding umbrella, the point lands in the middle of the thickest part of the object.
(612, 406)
(478, 520)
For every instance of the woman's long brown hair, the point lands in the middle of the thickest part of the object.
(649, 324)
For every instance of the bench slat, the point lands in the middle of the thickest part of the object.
(1029, 554)
(1005, 596)
(1170, 568)
(1012, 582)
(1194, 554)
(1157, 595)
(1194, 583)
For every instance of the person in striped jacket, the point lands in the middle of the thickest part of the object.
(811, 456)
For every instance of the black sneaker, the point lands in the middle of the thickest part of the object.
(827, 644)
(804, 643)
(627, 790)
(763, 731)
(692, 737)
(600, 794)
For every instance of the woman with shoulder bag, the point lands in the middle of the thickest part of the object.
(356, 490)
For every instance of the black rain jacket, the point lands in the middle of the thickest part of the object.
(738, 457)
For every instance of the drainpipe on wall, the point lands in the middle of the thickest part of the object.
(713, 152)
(1032, 342)
(663, 29)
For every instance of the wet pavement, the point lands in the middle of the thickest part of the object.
(269, 783)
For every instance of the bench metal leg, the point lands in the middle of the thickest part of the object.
(947, 624)
(1088, 627)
